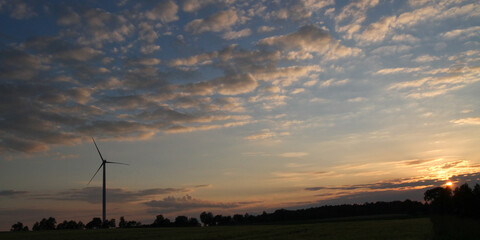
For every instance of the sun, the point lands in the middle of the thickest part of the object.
(449, 184)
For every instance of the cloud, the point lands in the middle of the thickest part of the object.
(466, 33)
(217, 22)
(377, 31)
(264, 134)
(227, 85)
(286, 76)
(293, 154)
(425, 58)
(187, 202)
(297, 10)
(165, 11)
(467, 121)
(354, 14)
(439, 82)
(200, 59)
(405, 38)
(234, 35)
(386, 71)
(98, 26)
(402, 184)
(308, 38)
(12, 193)
(68, 17)
(116, 195)
(195, 5)
(16, 64)
(21, 10)
(301, 176)
(264, 29)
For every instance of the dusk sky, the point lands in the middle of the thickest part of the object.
(233, 106)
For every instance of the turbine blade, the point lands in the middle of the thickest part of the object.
(101, 165)
(97, 149)
(117, 163)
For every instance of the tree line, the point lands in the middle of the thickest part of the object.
(463, 201)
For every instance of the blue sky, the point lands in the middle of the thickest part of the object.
(233, 106)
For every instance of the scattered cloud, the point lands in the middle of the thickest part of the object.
(425, 58)
(264, 134)
(166, 11)
(397, 70)
(234, 35)
(466, 33)
(218, 22)
(264, 29)
(467, 121)
(21, 10)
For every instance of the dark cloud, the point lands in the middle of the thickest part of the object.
(397, 189)
(11, 193)
(417, 161)
(308, 37)
(397, 183)
(187, 202)
(16, 64)
(117, 195)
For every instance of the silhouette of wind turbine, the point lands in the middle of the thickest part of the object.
(104, 163)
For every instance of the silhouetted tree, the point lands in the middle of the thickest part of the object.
(476, 196)
(122, 223)
(206, 218)
(223, 220)
(70, 225)
(238, 219)
(160, 221)
(181, 221)
(109, 223)
(193, 222)
(439, 199)
(94, 224)
(45, 224)
(464, 200)
(18, 227)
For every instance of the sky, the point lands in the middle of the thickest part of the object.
(233, 106)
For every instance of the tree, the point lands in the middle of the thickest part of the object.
(439, 199)
(94, 224)
(122, 223)
(18, 227)
(207, 218)
(181, 221)
(476, 196)
(70, 225)
(238, 219)
(109, 223)
(45, 224)
(160, 221)
(193, 222)
(464, 200)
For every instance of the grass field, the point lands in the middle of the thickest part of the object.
(415, 228)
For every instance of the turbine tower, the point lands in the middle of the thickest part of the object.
(103, 164)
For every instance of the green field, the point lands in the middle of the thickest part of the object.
(415, 228)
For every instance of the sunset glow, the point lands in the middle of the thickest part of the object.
(233, 106)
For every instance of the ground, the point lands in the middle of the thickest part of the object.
(413, 228)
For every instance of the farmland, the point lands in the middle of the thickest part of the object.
(410, 228)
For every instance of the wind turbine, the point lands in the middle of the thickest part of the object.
(104, 163)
